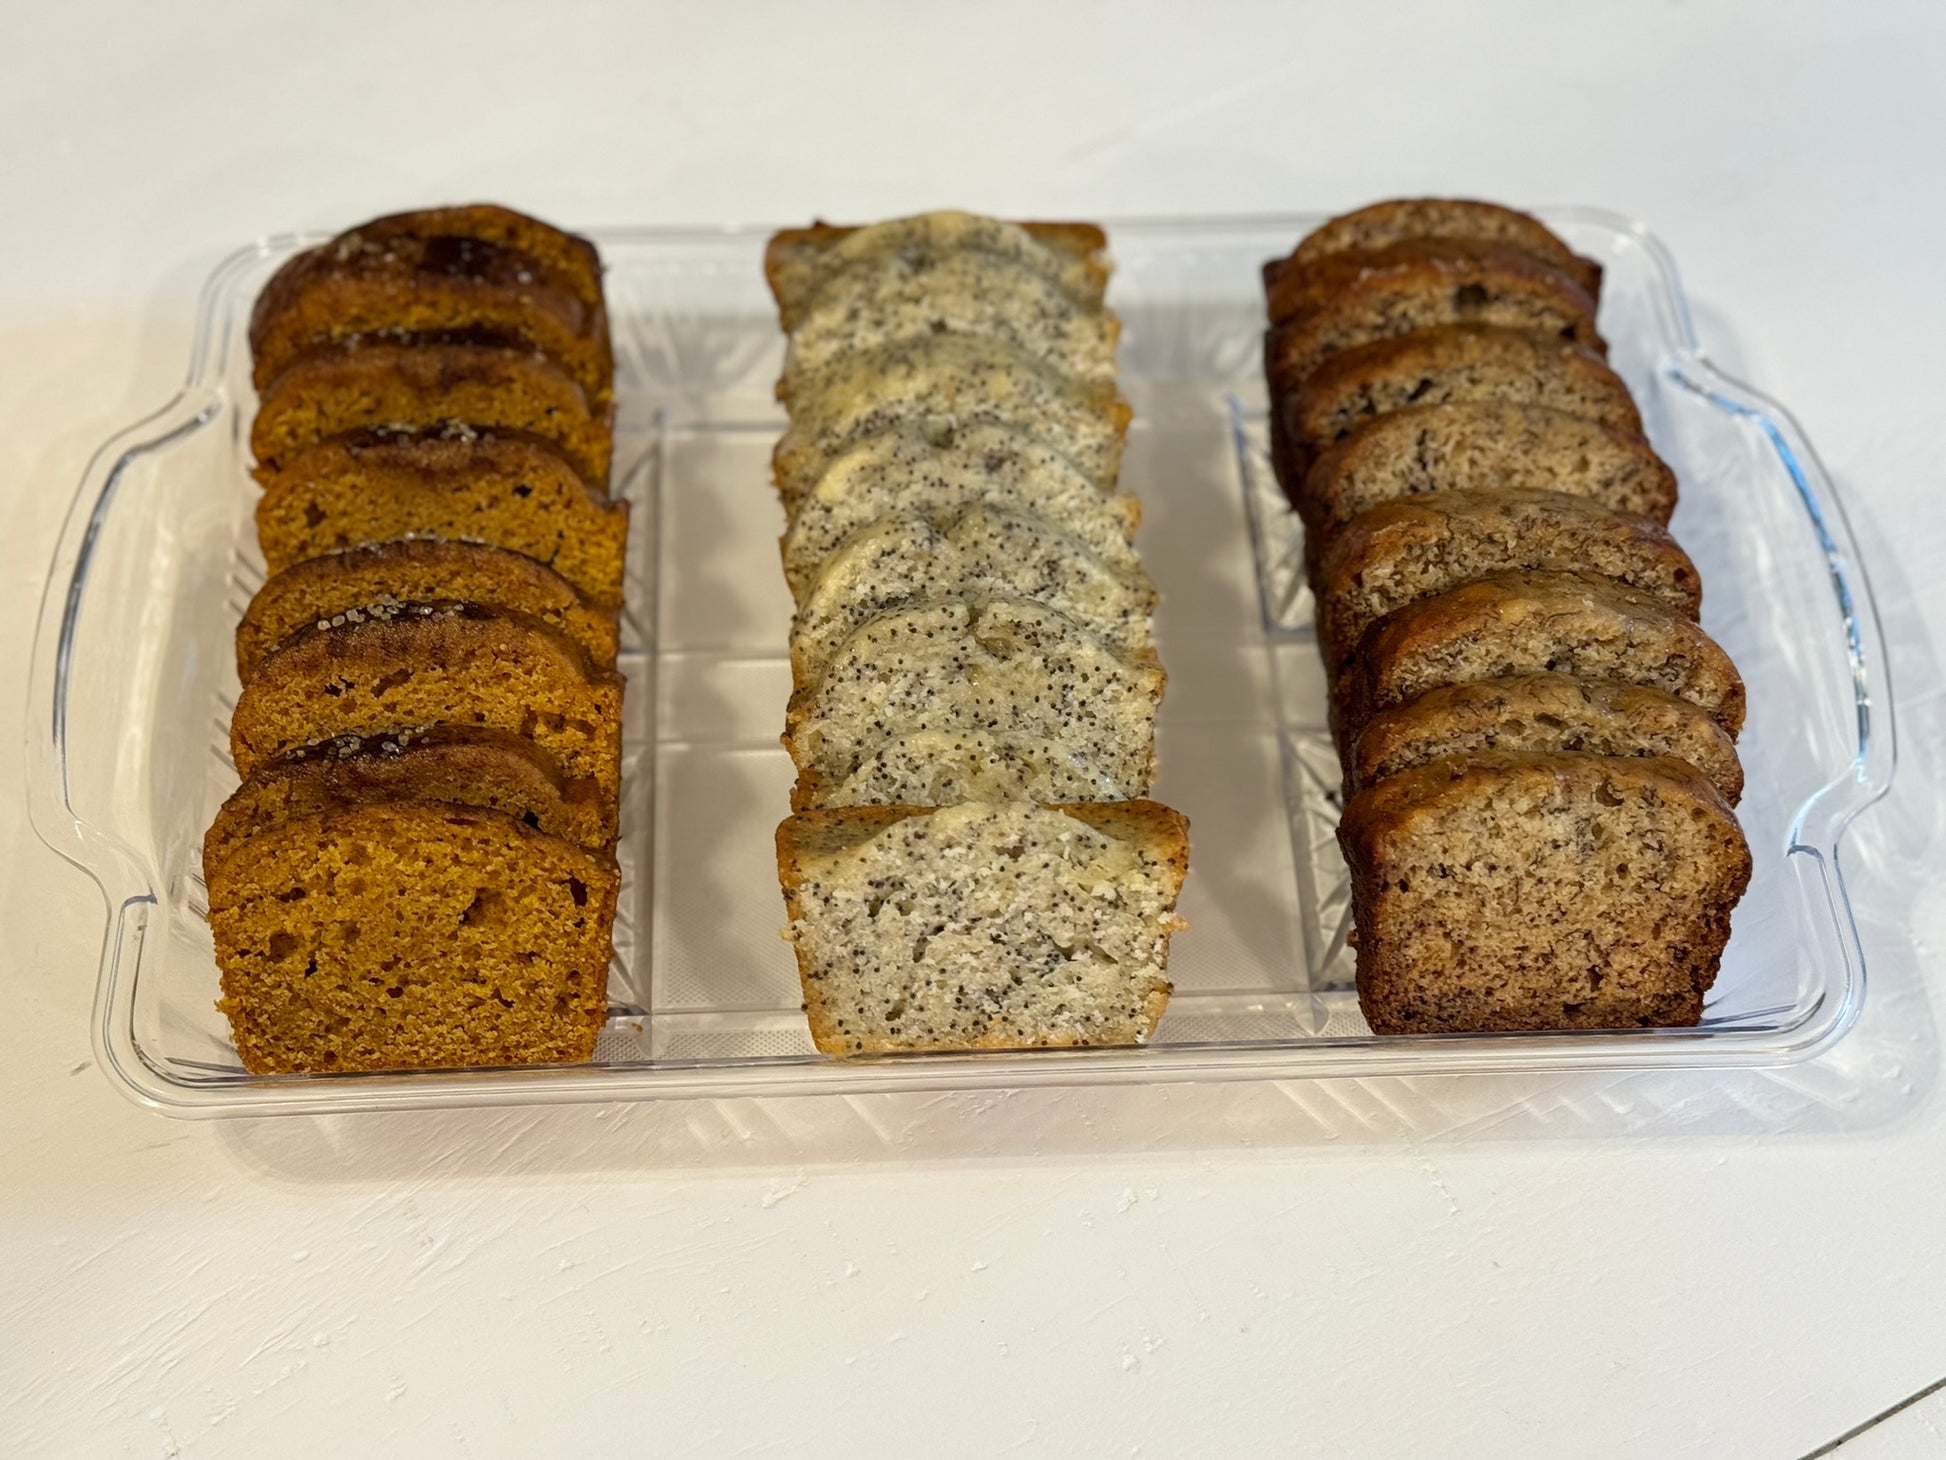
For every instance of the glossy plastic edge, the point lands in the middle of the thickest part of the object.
(1817, 835)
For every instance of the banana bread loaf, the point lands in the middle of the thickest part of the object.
(1544, 712)
(1410, 549)
(387, 575)
(982, 926)
(1540, 891)
(1381, 225)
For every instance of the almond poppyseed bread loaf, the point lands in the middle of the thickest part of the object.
(1482, 445)
(1474, 888)
(508, 489)
(1349, 299)
(1401, 220)
(1544, 712)
(387, 575)
(982, 926)
(1402, 551)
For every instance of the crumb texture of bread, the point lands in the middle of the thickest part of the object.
(1483, 445)
(1507, 891)
(359, 385)
(996, 664)
(982, 926)
(389, 575)
(1544, 712)
(986, 551)
(970, 379)
(935, 468)
(942, 767)
(1401, 220)
(1399, 552)
(411, 936)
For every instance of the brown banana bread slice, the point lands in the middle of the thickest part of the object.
(1531, 623)
(356, 385)
(411, 935)
(1483, 445)
(464, 765)
(1381, 225)
(501, 487)
(403, 287)
(1349, 299)
(798, 262)
(1402, 551)
(996, 664)
(569, 260)
(436, 664)
(970, 380)
(1513, 890)
(944, 767)
(1544, 712)
(1453, 363)
(935, 468)
(417, 570)
(903, 560)
(983, 925)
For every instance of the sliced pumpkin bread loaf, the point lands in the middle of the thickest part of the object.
(1513, 890)
(982, 925)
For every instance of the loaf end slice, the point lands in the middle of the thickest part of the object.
(1399, 220)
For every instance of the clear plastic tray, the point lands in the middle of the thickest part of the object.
(133, 684)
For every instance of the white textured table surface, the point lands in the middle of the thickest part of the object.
(1707, 1265)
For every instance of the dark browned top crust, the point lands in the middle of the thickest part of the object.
(502, 487)
(406, 286)
(569, 258)
(1348, 299)
(1551, 712)
(353, 386)
(1411, 548)
(1380, 225)
(418, 570)
(1483, 445)
(1526, 623)
(466, 766)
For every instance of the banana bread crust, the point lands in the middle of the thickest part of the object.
(1380, 225)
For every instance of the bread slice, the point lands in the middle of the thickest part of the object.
(944, 767)
(453, 482)
(1381, 225)
(436, 664)
(999, 664)
(357, 385)
(1349, 299)
(1544, 712)
(411, 935)
(970, 380)
(400, 287)
(567, 259)
(918, 292)
(903, 560)
(1402, 551)
(1530, 623)
(386, 575)
(982, 925)
(935, 468)
(1483, 445)
(798, 262)
(1453, 363)
(1508, 891)
(491, 769)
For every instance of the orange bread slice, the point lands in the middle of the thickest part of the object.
(1348, 299)
(1381, 225)
(501, 487)
(356, 385)
(436, 664)
(411, 935)
(1402, 551)
(983, 925)
(569, 260)
(386, 575)
(1530, 623)
(1540, 891)
(1544, 712)
(1483, 445)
